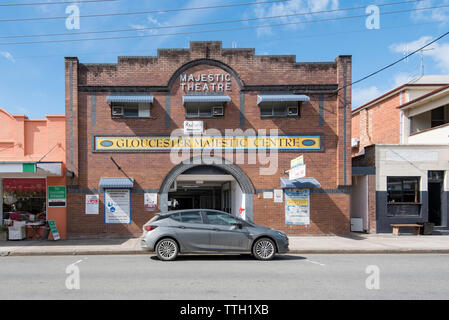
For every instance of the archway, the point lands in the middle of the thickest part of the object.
(216, 173)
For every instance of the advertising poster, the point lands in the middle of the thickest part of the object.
(117, 206)
(297, 206)
(278, 195)
(92, 202)
(150, 201)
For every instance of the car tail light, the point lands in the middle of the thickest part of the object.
(149, 228)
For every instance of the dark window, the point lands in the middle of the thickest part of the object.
(403, 189)
(131, 111)
(220, 218)
(191, 217)
(437, 117)
(204, 110)
(279, 109)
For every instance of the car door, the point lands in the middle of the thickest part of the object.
(225, 235)
(191, 232)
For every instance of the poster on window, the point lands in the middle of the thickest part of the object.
(92, 201)
(117, 206)
(150, 201)
(297, 206)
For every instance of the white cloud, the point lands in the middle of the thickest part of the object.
(364, 95)
(432, 15)
(439, 52)
(7, 55)
(288, 8)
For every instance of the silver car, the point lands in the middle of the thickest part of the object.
(209, 231)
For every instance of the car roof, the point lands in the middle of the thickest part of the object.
(187, 210)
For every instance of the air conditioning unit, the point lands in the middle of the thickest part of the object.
(355, 142)
(292, 111)
(117, 111)
(217, 111)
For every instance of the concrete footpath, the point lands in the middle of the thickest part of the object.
(353, 243)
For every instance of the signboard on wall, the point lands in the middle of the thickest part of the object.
(193, 127)
(117, 206)
(297, 172)
(56, 196)
(297, 206)
(150, 201)
(278, 195)
(92, 202)
(235, 143)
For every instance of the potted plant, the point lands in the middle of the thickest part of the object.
(3, 233)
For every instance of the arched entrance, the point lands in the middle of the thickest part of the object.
(217, 184)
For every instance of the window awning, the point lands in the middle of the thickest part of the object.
(206, 98)
(130, 99)
(116, 183)
(281, 97)
(300, 183)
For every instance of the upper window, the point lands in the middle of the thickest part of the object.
(219, 218)
(130, 110)
(437, 117)
(403, 189)
(279, 109)
(204, 110)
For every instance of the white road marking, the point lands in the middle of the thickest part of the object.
(314, 262)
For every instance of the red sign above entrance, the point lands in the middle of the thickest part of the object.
(23, 184)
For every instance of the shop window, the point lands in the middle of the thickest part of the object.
(204, 110)
(279, 109)
(403, 189)
(403, 196)
(24, 200)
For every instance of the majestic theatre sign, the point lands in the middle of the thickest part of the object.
(236, 143)
(205, 82)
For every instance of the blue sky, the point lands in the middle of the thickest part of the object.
(32, 75)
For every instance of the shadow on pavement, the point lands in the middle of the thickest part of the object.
(235, 257)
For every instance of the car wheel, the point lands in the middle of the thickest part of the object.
(264, 249)
(167, 249)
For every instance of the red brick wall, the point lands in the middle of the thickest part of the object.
(377, 124)
(329, 210)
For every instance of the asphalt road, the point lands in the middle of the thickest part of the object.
(404, 276)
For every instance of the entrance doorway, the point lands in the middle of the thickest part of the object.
(205, 187)
(435, 188)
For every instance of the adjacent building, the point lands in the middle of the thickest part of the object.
(196, 128)
(32, 172)
(400, 149)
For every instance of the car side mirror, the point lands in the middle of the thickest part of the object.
(238, 225)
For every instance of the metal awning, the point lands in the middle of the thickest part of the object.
(130, 99)
(30, 169)
(116, 183)
(281, 97)
(300, 183)
(206, 98)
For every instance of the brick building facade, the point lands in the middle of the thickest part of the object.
(119, 119)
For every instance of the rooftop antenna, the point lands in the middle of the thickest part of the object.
(422, 59)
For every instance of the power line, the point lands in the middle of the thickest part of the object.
(204, 23)
(148, 12)
(132, 53)
(392, 64)
(52, 3)
(219, 30)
